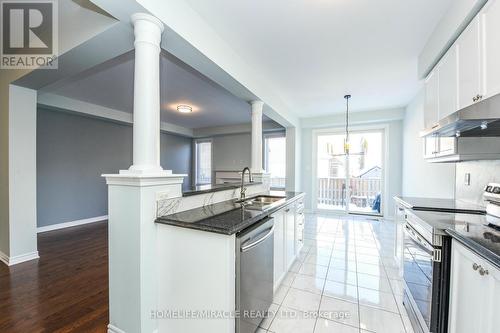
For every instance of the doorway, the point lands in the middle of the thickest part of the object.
(349, 183)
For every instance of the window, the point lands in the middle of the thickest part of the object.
(203, 150)
(275, 159)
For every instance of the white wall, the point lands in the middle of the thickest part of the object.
(421, 178)
(390, 120)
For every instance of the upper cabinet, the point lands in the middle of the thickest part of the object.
(490, 24)
(469, 65)
(469, 71)
(431, 106)
(448, 83)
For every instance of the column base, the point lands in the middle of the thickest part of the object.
(139, 171)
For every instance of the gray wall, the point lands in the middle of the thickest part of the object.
(231, 152)
(72, 153)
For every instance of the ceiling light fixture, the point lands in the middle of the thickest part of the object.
(184, 108)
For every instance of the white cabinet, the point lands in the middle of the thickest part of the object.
(474, 292)
(469, 64)
(431, 105)
(448, 84)
(290, 235)
(279, 246)
(490, 24)
(299, 225)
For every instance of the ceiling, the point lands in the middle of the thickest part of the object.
(315, 51)
(111, 85)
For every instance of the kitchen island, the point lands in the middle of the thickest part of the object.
(197, 259)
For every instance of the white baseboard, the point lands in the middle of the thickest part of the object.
(9, 261)
(71, 224)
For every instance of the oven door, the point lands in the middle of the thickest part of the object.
(418, 270)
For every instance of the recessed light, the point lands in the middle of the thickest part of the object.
(184, 108)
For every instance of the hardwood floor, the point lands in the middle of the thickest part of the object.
(66, 290)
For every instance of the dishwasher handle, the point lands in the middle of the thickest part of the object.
(246, 247)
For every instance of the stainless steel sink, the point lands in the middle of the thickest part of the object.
(261, 202)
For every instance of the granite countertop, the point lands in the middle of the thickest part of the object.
(443, 220)
(209, 188)
(439, 205)
(227, 217)
(469, 226)
(479, 238)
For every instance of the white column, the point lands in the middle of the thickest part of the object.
(146, 128)
(257, 136)
(133, 196)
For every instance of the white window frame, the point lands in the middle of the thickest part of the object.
(196, 168)
(265, 156)
(384, 128)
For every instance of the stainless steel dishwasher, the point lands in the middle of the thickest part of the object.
(254, 274)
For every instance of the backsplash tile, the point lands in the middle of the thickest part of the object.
(481, 173)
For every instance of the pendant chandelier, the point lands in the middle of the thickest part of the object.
(347, 146)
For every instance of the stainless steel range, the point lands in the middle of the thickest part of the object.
(426, 257)
(426, 272)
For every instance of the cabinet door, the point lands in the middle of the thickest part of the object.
(467, 292)
(448, 83)
(490, 22)
(279, 247)
(430, 146)
(290, 235)
(491, 300)
(447, 146)
(299, 230)
(469, 64)
(431, 105)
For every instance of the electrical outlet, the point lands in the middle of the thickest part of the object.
(467, 179)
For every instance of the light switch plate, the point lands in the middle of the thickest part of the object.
(467, 179)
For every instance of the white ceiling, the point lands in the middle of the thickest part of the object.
(111, 85)
(314, 51)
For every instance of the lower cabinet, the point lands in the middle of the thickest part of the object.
(290, 235)
(474, 292)
(279, 247)
(288, 238)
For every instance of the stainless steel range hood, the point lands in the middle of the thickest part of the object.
(481, 119)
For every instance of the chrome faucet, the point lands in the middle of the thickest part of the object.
(243, 188)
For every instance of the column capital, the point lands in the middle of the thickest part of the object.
(147, 28)
(257, 105)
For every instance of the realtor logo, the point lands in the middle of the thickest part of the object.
(29, 34)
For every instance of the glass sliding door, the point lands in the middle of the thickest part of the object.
(331, 172)
(350, 183)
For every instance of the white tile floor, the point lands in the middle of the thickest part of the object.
(345, 280)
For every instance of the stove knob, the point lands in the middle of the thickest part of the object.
(489, 188)
(496, 190)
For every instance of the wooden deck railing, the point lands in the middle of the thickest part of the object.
(332, 191)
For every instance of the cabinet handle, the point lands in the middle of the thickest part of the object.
(483, 271)
(475, 266)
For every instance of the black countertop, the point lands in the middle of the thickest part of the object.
(482, 239)
(209, 188)
(472, 229)
(439, 205)
(227, 217)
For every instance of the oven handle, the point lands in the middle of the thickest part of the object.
(413, 234)
(269, 232)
